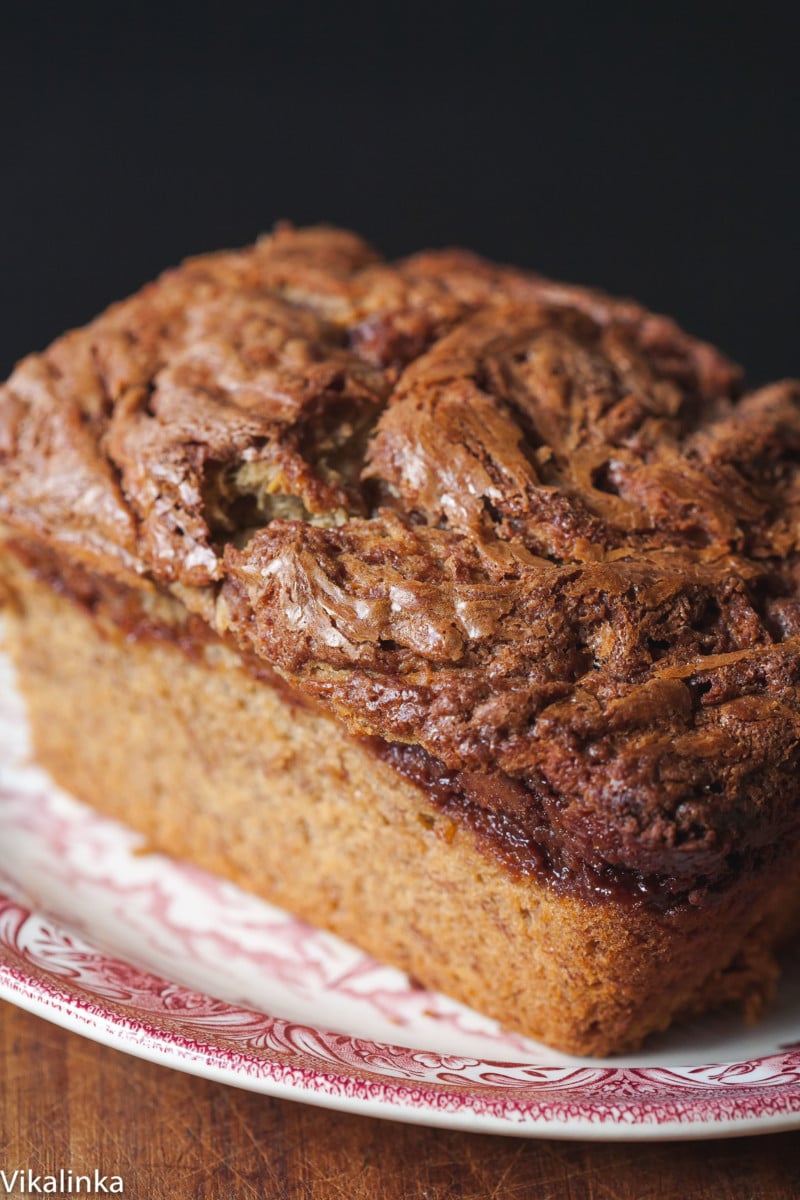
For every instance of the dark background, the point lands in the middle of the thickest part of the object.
(631, 147)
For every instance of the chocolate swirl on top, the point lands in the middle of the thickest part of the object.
(527, 528)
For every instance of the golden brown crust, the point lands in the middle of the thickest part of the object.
(526, 527)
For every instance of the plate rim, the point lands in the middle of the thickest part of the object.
(691, 1116)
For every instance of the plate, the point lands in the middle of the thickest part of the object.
(163, 961)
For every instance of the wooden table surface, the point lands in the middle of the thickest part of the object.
(67, 1102)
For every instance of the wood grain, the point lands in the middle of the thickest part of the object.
(67, 1102)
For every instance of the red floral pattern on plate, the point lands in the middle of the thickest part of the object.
(40, 961)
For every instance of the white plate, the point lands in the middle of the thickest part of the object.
(170, 964)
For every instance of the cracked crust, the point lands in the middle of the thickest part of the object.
(525, 527)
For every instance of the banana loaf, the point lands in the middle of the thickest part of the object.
(452, 608)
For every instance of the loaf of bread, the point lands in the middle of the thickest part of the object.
(451, 608)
